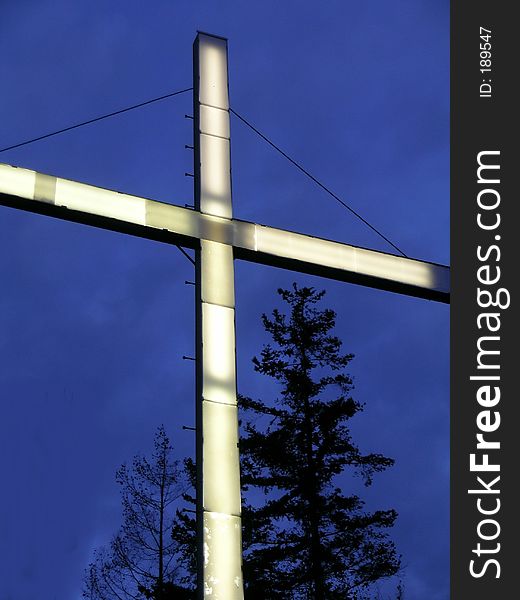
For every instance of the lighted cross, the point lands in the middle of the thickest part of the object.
(217, 239)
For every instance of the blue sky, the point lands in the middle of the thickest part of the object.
(94, 324)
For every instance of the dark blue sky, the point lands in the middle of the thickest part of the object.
(94, 323)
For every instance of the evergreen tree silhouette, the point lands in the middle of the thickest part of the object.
(304, 538)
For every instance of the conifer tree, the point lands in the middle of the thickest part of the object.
(305, 538)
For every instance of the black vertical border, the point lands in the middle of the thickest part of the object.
(484, 124)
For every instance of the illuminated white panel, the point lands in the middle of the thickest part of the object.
(393, 268)
(339, 256)
(215, 180)
(218, 353)
(222, 557)
(98, 201)
(214, 121)
(213, 74)
(182, 221)
(299, 247)
(221, 466)
(218, 285)
(17, 182)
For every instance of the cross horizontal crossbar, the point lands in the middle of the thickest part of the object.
(78, 202)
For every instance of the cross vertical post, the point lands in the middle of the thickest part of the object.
(219, 535)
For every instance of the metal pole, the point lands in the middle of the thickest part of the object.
(219, 532)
